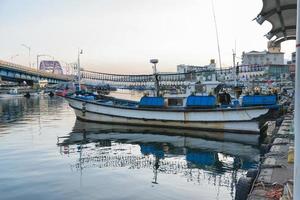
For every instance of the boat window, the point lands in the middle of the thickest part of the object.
(175, 102)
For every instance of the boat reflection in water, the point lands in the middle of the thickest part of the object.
(196, 159)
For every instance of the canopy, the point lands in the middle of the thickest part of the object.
(282, 15)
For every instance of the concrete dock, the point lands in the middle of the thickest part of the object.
(275, 178)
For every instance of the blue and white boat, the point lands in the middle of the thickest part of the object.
(196, 112)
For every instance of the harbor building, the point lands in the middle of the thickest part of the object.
(267, 57)
(262, 58)
(208, 71)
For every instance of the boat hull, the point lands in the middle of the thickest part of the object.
(232, 120)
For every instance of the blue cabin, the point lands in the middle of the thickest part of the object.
(259, 100)
(152, 102)
(201, 101)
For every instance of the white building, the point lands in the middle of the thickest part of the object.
(262, 58)
(182, 68)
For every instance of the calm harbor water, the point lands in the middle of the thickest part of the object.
(47, 154)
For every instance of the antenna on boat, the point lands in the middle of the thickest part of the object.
(217, 34)
(154, 62)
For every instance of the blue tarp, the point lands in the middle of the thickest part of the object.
(259, 100)
(152, 102)
(201, 158)
(201, 101)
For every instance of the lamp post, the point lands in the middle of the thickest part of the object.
(154, 62)
(29, 50)
(78, 68)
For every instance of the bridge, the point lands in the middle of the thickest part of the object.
(19, 73)
(148, 80)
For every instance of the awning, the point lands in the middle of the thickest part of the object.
(282, 15)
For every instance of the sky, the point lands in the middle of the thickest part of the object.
(121, 36)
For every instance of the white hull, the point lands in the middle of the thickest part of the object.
(232, 120)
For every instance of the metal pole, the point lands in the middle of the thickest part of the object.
(297, 110)
(156, 78)
(234, 68)
(78, 70)
(217, 34)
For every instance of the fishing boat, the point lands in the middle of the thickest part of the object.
(197, 112)
(188, 111)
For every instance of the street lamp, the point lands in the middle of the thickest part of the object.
(29, 49)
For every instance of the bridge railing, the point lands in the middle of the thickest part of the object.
(137, 78)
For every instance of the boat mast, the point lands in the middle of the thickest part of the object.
(155, 74)
(217, 34)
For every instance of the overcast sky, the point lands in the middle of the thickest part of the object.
(120, 36)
